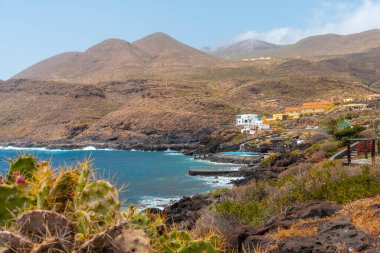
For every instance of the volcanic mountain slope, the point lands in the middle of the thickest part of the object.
(162, 107)
(110, 57)
(166, 51)
(314, 46)
(332, 44)
(246, 49)
(364, 66)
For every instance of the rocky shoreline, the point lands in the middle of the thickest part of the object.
(100, 145)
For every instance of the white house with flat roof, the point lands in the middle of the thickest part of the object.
(250, 123)
(246, 119)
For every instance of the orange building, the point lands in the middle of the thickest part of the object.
(267, 121)
(312, 108)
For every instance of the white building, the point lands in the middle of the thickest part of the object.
(246, 119)
(261, 126)
(251, 123)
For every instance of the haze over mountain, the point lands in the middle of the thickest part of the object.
(320, 45)
(246, 49)
(115, 55)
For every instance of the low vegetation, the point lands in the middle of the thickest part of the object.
(325, 181)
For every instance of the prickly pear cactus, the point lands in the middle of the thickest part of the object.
(25, 166)
(198, 247)
(42, 194)
(83, 224)
(62, 192)
(12, 199)
(182, 242)
(140, 220)
(81, 183)
(101, 199)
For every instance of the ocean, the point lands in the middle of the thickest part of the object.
(151, 179)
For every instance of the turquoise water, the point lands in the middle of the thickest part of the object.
(151, 178)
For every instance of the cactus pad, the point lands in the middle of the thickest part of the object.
(26, 166)
(12, 199)
(102, 199)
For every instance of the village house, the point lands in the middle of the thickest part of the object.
(286, 115)
(251, 123)
(246, 119)
(348, 100)
(355, 106)
(312, 108)
(373, 97)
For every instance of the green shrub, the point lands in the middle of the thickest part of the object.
(267, 160)
(348, 133)
(296, 152)
(254, 212)
(313, 148)
(238, 138)
(326, 181)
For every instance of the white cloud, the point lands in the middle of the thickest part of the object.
(341, 19)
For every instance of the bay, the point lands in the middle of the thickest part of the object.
(151, 179)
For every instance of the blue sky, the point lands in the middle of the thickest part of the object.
(34, 30)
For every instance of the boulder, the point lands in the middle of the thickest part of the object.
(319, 209)
(340, 233)
(254, 242)
(296, 244)
(185, 212)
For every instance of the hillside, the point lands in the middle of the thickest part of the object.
(113, 56)
(158, 91)
(320, 45)
(159, 107)
(166, 51)
(246, 49)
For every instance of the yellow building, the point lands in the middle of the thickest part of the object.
(278, 116)
(348, 100)
(267, 121)
(293, 115)
(286, 115)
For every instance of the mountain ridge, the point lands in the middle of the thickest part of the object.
(313, 46)
(100, 60)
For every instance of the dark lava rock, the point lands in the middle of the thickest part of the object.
(338, 233)
(185, 212)
(304, 211)
(254, 242)
(296, 244)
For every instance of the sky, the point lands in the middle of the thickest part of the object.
(31, 31)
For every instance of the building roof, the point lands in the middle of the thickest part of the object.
(292, 109)
(355, 105)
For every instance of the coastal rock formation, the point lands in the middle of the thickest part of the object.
(338, 233)
(185, 212)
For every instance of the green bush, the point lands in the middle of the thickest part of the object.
(267, 160)
(238, 138)
(326, 181)
(254, 212)
(348, 133)
(313, 148)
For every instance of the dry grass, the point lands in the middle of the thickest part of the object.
(295, 169)
(365, 214)
(317, 156)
